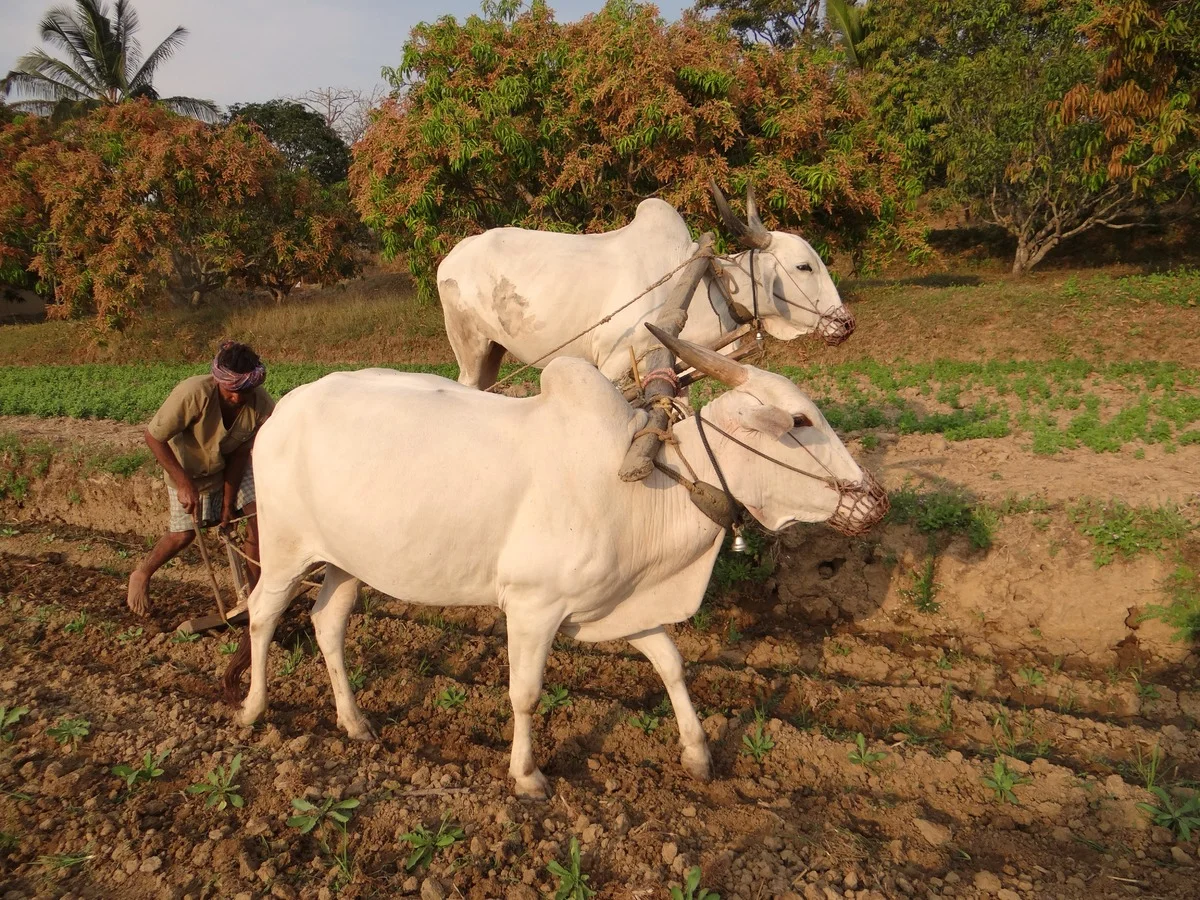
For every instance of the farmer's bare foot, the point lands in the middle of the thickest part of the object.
(139, 597)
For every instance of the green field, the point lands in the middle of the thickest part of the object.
(1059, 405)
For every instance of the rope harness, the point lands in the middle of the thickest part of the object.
(831, 322)
(860, 504)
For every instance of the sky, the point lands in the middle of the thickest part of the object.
(241, 51)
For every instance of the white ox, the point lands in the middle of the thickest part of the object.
(438, 494)
(528, 292)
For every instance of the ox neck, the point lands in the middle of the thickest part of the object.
(691, 461)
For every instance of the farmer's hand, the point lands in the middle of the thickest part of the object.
(226, 526)
(189, 497)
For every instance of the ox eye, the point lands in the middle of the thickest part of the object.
(801, 421)
(804, 267)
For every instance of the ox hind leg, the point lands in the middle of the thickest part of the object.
(530, 637)
(330, 615)
(269, 599)
(656, 645)
(478, 355)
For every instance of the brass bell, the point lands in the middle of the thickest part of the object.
(739, 543)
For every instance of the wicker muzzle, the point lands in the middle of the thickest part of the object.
(860, 506)
(836, 326)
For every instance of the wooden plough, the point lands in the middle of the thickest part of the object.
(241, 586)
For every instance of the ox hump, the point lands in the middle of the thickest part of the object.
(575, 385)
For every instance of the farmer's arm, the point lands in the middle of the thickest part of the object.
(235, 468)
(178, 413)
(184, 486)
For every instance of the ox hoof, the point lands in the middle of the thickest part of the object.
(698, 763)
(532, 787)
(361, 730)
(248, 717)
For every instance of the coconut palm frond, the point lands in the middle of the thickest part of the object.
(125, 20)
(60, 29)
(204, 110)
(158, 56)
(43, 77)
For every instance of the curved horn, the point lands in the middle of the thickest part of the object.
(725, 370)
(732, 222)
(756, 232)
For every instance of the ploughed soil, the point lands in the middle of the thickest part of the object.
(1009, 730)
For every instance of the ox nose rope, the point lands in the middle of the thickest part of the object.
(755, 282)
(860, 504)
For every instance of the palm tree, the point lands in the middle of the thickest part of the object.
(103, 64)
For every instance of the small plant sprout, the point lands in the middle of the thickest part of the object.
(1003, 780)
(228, 648)
(291, 662)
(691, 888)
(1148, 765)
(310, 815)
(758, 743)
(70, 731)
(572, 882)
(130, 634)
(77, 624)
(220, 787)
(555, 697)
(9, 841)
(357, 677)
(860, 756)
(1181, 819)
(59, 861)
(451, 698)
(426, 844)
(185, 637)
(1031, 676)
(150, 769)
(647, 722)
(8, 721)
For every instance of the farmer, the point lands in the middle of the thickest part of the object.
(202, 436)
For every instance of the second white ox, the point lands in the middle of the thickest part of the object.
(441, 495)
(528, 292)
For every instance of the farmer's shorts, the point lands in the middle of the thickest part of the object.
(210, 503)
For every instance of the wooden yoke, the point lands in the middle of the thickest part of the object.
(639, 460)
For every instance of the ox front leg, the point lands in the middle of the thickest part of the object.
(330, 615)
(529, 644)
(656, 645)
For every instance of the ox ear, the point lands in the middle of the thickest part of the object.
(769, 420)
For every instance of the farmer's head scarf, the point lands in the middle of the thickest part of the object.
(236, 381)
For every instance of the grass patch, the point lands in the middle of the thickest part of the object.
(134, 393)
(1182, 609)
(733, 569)
(123, 465)
(943, 512)
(1119, 529)
(19, 463)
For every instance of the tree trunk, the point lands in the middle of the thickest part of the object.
(1030, 253)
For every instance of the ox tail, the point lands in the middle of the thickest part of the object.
(231, 681)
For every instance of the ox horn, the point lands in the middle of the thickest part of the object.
(751, 234)
(725, 370)
(757, 233)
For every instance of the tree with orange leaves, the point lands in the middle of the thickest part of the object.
(112, 209)
(1146, 96)
(512, 118)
